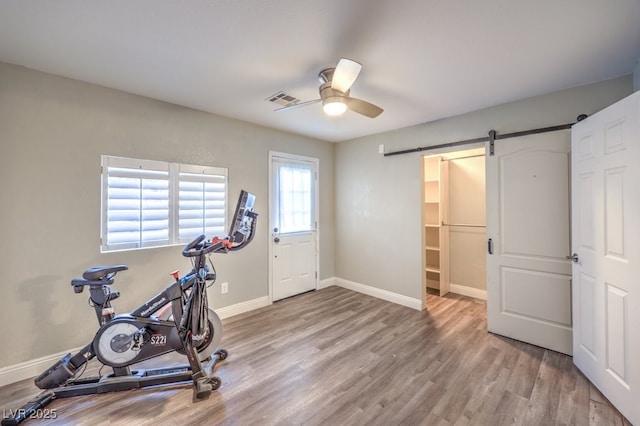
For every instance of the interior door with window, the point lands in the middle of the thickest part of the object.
(293, 219)
(606, 245)
(528, 273)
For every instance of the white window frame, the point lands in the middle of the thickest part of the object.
(173, 172)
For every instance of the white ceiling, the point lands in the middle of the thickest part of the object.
(423, 59)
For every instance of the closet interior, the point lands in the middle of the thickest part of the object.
(454, 224)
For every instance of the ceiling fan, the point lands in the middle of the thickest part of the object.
(334, 91)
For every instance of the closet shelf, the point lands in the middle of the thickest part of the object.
(434, 209)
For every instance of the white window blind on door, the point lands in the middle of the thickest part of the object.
(295, 182)
(202, 201)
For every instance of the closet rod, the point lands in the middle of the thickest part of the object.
(492, 136)
(464, 224)
(462, 158)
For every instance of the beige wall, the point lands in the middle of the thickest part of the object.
(52, 133)
(378, 211)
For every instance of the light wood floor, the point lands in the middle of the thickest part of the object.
(337, 357)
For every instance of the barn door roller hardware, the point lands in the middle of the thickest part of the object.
(492, 141)
(491, 138)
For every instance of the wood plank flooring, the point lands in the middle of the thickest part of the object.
(343, 358)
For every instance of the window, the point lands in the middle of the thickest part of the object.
(295, 186)
(201, 201)
(152, 203)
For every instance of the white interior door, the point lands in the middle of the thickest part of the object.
(293, 218)
(528, 274)
(606, 241)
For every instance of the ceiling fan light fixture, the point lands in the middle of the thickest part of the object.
(334, 106)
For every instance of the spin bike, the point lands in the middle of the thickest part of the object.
(176, 319)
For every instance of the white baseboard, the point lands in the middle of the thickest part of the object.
(468, 291)
(326, 283)
(389, 296)
(25, 370)
(242, 307)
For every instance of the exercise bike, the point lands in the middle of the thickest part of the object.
(176, 319)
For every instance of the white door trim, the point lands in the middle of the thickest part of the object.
(316, 161)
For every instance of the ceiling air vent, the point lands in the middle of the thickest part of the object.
(283, 99)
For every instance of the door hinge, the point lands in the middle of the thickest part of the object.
(490, 246)
(316, 275)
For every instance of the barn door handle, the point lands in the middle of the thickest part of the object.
(490, 246)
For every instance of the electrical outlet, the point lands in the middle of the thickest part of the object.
(381, 148)
(224, 288)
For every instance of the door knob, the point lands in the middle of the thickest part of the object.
(574, 257)
(276, 240)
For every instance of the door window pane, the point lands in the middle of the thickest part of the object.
(295, 182)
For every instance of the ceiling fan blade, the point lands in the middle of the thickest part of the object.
(345, 74)
(365, 108)
(298, 105)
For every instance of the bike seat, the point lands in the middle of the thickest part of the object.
(99, 272)
(98, 276)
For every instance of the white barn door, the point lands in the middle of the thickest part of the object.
(606, 243)
(528, 273)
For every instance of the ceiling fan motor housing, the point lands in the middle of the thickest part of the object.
(329, 94)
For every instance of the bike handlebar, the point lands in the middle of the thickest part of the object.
(200, 247)
(188, 250)
(205, 247)
(195, 242)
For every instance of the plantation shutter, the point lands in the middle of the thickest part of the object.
(202, 194)
(135, 203)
